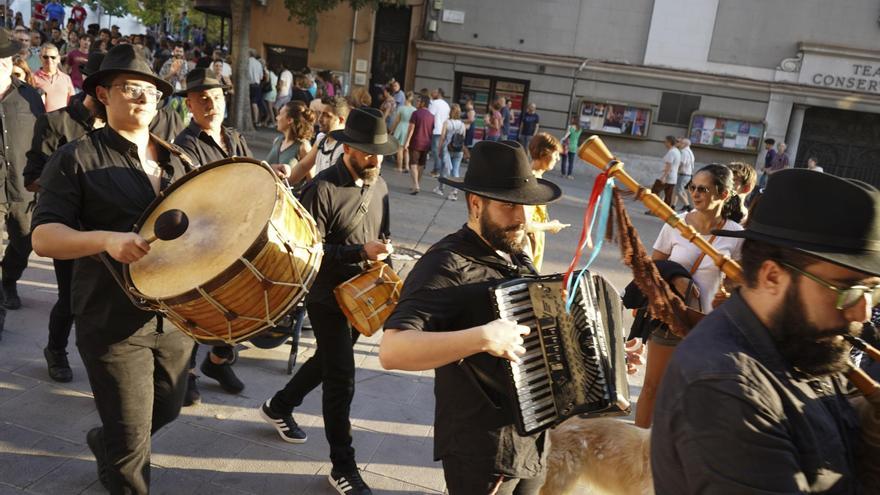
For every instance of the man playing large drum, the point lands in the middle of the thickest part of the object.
(94, 190)
(349, 202)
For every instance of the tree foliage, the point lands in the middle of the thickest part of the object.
(306, 11)
(115, 8)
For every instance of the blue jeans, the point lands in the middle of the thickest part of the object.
(567, 163)
(435, 152)
(452, 164)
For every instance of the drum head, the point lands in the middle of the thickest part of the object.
(228, 207)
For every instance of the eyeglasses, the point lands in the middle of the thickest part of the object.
(701, 189)
(135, 92)
(847, 297)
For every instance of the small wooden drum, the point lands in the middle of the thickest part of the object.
(249, 255)
(367, 299)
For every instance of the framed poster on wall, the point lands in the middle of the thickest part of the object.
(619, 119)
(483, 90)
(726, 133)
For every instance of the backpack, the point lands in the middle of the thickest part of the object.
(456, 144)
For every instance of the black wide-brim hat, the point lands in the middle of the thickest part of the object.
(200, 79)
(827, 217)
(93, 64)
(365, 131)
(8, 45)
(125, 59)
(500, 170)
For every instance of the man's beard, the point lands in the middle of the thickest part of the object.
(510, 239)
(366, 174)
(797, 339)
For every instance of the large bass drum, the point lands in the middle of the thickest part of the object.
(249, 255)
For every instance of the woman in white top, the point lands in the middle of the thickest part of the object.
(452, 142)
(712, 190)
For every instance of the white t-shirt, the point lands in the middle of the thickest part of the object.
(286, 80)
(226, 70)
(673, 157)
(440, 110)
(687, 162)
(255, 71)
(327, 153)
(680, 250)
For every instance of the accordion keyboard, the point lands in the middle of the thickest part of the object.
(531, 376)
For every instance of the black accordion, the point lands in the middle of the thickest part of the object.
(575, 363)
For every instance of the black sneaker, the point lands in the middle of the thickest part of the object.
(192, 396)
(59, 367)
(12, 302)
(284, 424)
(348, 483)
(223, 374)
(96, 445)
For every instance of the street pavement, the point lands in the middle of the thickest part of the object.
(221, 446)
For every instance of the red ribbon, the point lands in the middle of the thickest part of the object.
(598, 187)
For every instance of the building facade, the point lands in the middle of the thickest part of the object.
(725, 73)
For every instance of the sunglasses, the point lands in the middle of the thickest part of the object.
(701, 189)
(846, 297)
(49, 57)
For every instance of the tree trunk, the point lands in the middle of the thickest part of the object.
(239, 44)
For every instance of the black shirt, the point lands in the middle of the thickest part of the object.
(733, 417)
(202, 148)
(19, 110)
(53, 130)
(448, 290)
(97, 183)
(333, 198)
(59, 127)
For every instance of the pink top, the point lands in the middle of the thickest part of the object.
(57, 89)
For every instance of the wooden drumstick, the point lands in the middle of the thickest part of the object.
(169, 226)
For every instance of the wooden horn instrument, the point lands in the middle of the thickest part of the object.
(594, 152)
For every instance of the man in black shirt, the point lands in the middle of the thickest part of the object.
(53, 130)
(349, 202)
(754, 400)
(444, 321)
(205, 140)
(20, 105)
(93, 191)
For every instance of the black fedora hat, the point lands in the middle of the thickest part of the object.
(200, 79)
(8, 45)
(844, 230)
(501, 171)
(93, 64)
(365, 131)
(125, 59)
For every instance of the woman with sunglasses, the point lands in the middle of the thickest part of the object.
(712, 191)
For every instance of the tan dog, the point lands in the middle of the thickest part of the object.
(606, 455)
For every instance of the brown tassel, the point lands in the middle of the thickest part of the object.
(663, 303)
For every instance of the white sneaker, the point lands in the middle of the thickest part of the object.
(438, 191)
(453, 196)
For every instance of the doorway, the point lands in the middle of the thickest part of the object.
(844, 142)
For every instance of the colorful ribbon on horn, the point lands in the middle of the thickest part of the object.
(599, 208)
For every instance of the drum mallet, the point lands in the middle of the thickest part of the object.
(169, 226)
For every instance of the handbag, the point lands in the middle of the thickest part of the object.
(658, 186)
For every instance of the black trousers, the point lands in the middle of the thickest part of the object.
(18, 228)
(333, 366)
(462, 479)
(61, 316)
(138, 384)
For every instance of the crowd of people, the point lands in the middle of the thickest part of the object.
(107, 122)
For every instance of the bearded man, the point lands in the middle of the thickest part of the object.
(754, 400)
(349, 202)
(444, 316)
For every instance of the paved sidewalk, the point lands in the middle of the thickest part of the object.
(222, 446)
